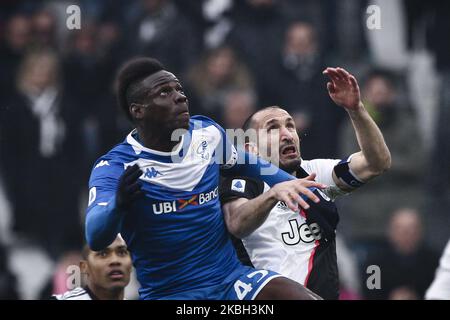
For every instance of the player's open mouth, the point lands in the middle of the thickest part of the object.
(116, 274)
(289, 150)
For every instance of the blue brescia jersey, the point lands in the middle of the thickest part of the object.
(176, 232)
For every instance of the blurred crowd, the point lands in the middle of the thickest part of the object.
(58, 114)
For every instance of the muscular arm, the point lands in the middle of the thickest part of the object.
(374, 157)
(243, 216)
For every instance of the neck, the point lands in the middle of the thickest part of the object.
(289, 170)
(160, 141)
(104, 294)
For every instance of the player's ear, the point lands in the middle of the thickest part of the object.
(251, 147)
(83, 266)
(137, 111)
(83, 272)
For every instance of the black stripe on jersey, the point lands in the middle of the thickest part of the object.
(241, 252)
(324, 276)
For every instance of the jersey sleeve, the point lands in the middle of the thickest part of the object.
(103, 182)
(239, 187)
(103, 219)
(323, 168)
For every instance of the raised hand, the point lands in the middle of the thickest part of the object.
(294, 192)
(343, 88)
(129, 188)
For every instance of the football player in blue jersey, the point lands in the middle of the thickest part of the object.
(161, 194)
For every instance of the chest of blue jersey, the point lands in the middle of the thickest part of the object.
(181, 185)
(179, 206)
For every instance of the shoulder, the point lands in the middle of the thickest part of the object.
(240, 187)
(112, 164)
(203, 119)
(75, 294)
(199, 122)
(202, 127)
(315, 165)
(323, 168)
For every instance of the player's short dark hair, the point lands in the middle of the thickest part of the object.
(249, 122)
(85, 251)
(128, 81)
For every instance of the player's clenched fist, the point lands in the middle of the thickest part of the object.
(294, 192)
(129, 188)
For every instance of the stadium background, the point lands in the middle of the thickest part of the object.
(58, 114)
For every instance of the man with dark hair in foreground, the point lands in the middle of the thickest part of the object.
(107, 273)
(159, 189)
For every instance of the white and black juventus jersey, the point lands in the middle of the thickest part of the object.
(300, 246)
(75, 294)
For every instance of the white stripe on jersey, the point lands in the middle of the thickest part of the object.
(75, 294)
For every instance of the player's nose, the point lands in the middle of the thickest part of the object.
(115, 260)
(286, 135)
(180, 97)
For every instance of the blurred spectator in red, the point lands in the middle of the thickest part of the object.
(213, 78)
(406, 263)
(367, 212)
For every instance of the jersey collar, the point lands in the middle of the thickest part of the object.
(138, 147)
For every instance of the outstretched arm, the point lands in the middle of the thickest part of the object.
(374, 157)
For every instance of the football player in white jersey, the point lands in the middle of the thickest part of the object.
(286, 237)
(107, 273)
